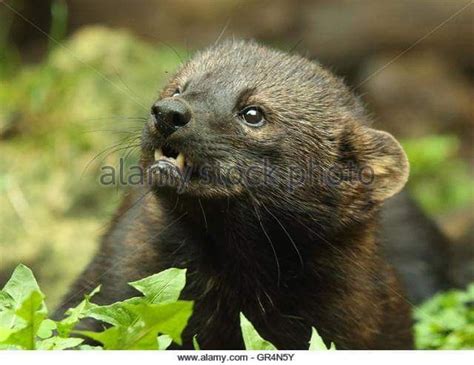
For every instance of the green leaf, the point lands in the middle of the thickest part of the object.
(316, 343)
(446, 321)
(9, 347)
(8, 319)
(153, 321)
(21, 284)
(117, 314)
(252, 340)
(195, 343)
(33, 312)
(46, 328)
(5, 333)
(74, 315)
(6, 301)
(164, 287)
(165, 318)
(149, 321)
(164, 341)
(110, 338)
(23, 309)
(89, 347)
(59, 343)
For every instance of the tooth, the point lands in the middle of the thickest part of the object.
(180, 161)
(158, 154)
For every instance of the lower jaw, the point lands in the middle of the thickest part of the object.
(193, 188)
(166, 177)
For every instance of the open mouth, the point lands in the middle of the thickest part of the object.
(171, 156)
(173, 168)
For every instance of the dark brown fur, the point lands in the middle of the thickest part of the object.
(289, 259)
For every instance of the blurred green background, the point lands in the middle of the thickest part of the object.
(77, 79)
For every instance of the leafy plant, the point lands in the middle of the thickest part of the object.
(316, 343)
(23, 322)
(156, 319)
(438, 193)
(253, 340)
(152, 321)
(76, 111)
(446, 321)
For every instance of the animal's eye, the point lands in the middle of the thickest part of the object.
(176, 92)
(253, 116)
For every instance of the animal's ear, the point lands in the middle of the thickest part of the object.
(382, 157)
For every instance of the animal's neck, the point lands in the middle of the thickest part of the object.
(264, 242)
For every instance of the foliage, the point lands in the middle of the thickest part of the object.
(446, 321)
(157, 319)
(23, 322)
(59, 15)
(252, 340)
(80, 108)
(58, 116)
(316, 342)
(438, 179)
(152, 321)
(60, 121)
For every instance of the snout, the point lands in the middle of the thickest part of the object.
(169, 115)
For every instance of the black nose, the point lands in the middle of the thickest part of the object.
(169, 115)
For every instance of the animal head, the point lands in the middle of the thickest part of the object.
(242, 120)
